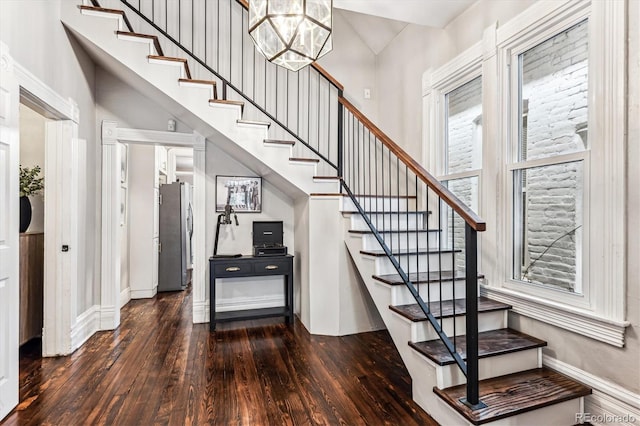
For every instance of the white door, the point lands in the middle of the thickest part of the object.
(9, 208)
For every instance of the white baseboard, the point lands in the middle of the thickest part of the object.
(242, 303)
(144, 294)
(86, 326)
(125, 296)
(200, 311)
(107, 318)
(608, 404)
(201, 308)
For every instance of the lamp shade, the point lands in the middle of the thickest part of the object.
(291, 33)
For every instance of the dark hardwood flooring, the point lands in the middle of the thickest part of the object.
(159, 368)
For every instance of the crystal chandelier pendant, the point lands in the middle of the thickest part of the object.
(291, 33)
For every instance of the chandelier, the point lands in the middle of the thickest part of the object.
(291, 33)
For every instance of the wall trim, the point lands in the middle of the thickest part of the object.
(86, 325)
(155, 137)
(144, 294)
(587, 324)
(200, 312)
(125, 296)
(608, 402)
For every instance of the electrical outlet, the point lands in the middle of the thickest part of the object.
(367, 93)
(171, 125)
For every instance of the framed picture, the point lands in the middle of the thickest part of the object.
(243, 194)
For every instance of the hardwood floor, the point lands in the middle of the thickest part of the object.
(160, 368)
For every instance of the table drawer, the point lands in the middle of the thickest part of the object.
(273, 266)
(231, 268)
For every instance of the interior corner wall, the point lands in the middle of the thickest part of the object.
(353, 64)
(400, 66)
(245, 293)
(39, 43)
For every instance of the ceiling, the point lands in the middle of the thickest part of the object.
(377, 22)
(432, 13)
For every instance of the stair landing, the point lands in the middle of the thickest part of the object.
(515, 394)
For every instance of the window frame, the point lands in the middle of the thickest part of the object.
(599, 312)
(463, 69)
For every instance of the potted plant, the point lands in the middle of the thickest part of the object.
(30, 184)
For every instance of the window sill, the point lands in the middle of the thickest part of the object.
(581, 322)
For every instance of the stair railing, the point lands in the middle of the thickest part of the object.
(398, 198)
(214, 36)
(380, 177)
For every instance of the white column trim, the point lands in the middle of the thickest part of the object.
(111, 231)
(155, 137)
(60, 304)
(200, 280)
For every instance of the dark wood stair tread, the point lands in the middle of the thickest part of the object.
(279, 142)
(516, 393)
(228, 102)
(97, 8)
(446, 310)
(381, 253)
(490, 343)
(328, 177)
(304, 160)
(422, 277)
(156, 42)
(209, 82)
(172, 59)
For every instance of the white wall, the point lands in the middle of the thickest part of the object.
(399, 67)
(352, 63)
(245, 292)
(39, 43)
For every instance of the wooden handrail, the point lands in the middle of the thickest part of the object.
(443, 192)
(322, 71)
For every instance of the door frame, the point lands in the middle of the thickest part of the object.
(61, 214)
(112, 136)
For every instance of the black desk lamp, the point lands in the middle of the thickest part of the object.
(224, 219)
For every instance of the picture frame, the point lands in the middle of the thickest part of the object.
(242, 193)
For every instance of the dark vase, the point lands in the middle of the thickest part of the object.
(25, 213)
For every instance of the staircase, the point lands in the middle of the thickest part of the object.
(413, 242)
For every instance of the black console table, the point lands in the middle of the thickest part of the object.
(250, 266)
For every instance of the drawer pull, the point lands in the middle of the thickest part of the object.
(232, 269)
(271, 267)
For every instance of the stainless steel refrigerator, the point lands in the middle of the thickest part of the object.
(174, 223)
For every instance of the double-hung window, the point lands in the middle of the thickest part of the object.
(550, 155)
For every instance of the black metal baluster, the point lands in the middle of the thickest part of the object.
(440, 256)
(453, 267)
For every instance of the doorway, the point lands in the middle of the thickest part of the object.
(32, 130)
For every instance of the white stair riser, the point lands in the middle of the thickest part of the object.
(451, 375)
(399, 240)
(389, 222)
(400, 294)
(379, 204)
(487, 321)
(414, 262)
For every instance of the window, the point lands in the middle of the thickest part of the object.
(462, 156)
(550, 153)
